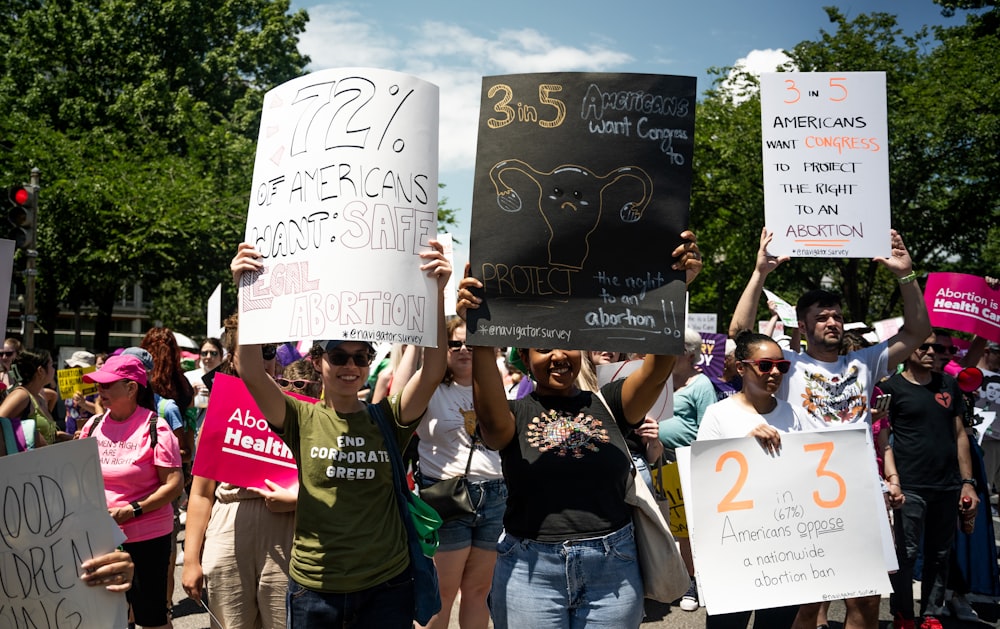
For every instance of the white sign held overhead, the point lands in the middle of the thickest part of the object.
(344, 199)
(826, 163)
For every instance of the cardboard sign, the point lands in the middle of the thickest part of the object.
(344, 200)
(53, 517)
(958, 301)
(794, 528)
(236, 444)
(71, 382)
(582, 190)
(703, 322)
(826, 163)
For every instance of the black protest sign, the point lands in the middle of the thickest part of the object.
(582, 190)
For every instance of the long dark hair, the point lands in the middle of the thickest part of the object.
(27, 363)
(167, 378)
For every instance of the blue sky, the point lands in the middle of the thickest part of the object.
(454, 44)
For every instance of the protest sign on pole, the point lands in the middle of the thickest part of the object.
(581, 192)
(344, 200)
(797, 527)
(236, 444)
(826, 163)
(959, 301)
(54, 517)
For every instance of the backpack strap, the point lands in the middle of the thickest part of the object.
(97, 422)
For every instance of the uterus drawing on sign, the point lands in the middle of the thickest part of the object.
(570, 200)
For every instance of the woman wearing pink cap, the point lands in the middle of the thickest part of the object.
(141, 465)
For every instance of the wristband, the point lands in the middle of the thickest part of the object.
(906, 279)
(136, 509)
(969, 481)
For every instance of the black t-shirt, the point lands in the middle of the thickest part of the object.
(922, 418)
(567, 467)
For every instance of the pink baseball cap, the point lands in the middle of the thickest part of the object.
(115, 368)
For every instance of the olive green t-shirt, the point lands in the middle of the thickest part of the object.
(348, 535)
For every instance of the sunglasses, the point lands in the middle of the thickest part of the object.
(457, 345)
(765, 365)
(341, 358)
(938, 348)
(209, 352)
(5, 354)
(298, 384)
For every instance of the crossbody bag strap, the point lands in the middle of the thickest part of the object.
(472, 450)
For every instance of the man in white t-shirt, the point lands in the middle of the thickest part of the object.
(834, 390)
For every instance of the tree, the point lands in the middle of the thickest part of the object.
(942, 155)
(142, 118)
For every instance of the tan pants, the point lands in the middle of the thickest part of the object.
(246, 564)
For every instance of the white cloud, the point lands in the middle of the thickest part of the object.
(756, 62)
(450, 56)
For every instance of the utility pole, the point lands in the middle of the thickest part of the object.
(30, 272)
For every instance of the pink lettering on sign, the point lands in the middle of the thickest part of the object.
(236, 444)
(963, 302)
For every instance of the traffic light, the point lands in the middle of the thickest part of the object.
(22, 216)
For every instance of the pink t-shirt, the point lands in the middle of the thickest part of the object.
(129, 468)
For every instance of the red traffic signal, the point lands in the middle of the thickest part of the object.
(21, 213)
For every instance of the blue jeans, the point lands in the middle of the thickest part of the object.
(580, 583)
(388, 605)
(480, 529)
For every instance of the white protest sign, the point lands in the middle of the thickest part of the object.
(707, 322)
(826, 163)
(451, 288)
(213, 314)
(344, 200)
(53, 516)
(786, 311)
(779, 530)
(663, 407)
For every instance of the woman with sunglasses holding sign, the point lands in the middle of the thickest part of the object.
(754, 412)
(350, 557)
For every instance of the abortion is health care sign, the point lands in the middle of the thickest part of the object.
(796, 527)
(236, 444)
(826, 163)
(344, 200)
(958, 301)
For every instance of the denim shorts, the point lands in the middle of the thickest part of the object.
(579, 583)
(480, 529)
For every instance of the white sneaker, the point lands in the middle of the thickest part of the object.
(689, 602)
(961, 609)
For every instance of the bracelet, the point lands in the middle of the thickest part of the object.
(906, 279)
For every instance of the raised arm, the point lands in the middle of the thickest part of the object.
(643, 386)
(746, 309)
(418, 390)
(916, 324)
(262, 387)
(493, 414)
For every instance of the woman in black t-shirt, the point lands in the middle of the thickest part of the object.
(567, 554)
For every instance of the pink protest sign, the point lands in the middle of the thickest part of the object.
(236, 444)
(963, 302)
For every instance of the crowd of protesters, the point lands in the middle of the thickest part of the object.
(333, 551)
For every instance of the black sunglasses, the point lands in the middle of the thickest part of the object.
(6, 354)
(938, 348)
(209, 352)
(457, 345)
(340, 358)
(298, 384)
(766, 364)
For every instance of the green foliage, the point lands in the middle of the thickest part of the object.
(142, 117)
(943, 157)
